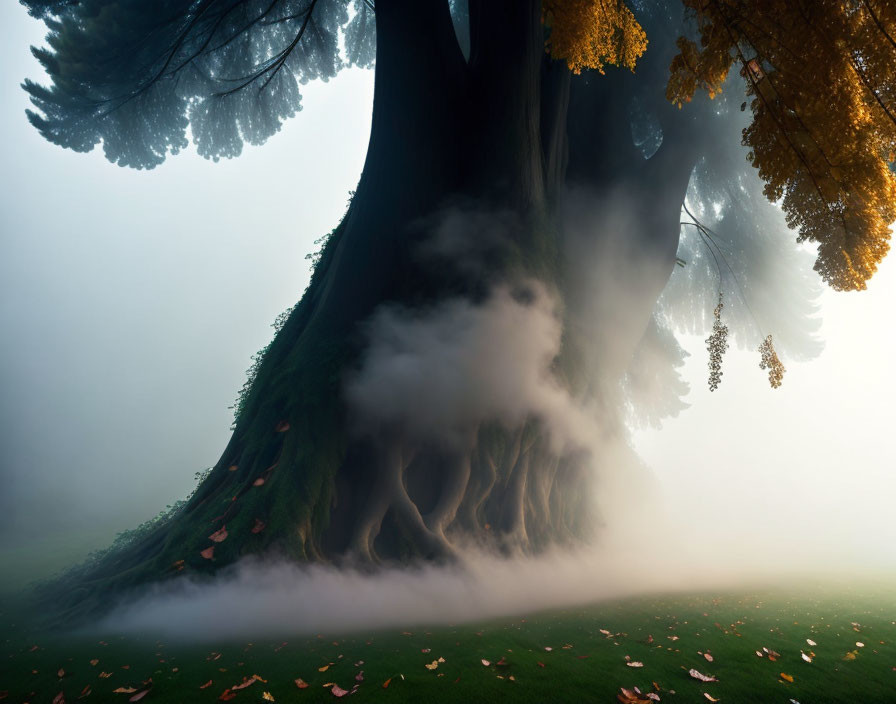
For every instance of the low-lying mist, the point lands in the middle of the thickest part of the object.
(646, 550)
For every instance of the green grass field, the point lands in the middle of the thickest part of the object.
(587, 660)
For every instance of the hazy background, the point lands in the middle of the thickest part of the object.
(131, 303)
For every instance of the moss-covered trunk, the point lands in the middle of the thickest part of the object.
(504, 131)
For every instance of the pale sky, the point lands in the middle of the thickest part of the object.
(131, 303)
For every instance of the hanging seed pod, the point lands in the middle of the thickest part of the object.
(717, 344)
(771, 362)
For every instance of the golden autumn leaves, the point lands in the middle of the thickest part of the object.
(823, 134)
(820, 76)
(592, 33)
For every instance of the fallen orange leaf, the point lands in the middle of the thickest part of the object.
(785, 676)
(206, 685)
(208, 553)
(301, 684)
(137, 697)
(124, 690)
(219, 536)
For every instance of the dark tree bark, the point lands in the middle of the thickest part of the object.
(507, 131)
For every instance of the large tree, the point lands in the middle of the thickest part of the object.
(519, 212)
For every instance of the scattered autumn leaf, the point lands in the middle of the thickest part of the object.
(259, 526)
(124, 690)
(219, 536)
(60, 673)
(710, 697)
(206, 685)
(258, 482)
(486, 662)
(282, 427)
(386, 683)
(628, 696)
(84, 692)
(635, 663)
(811, 642)
(267, 696)
(338, 691)
(105, 675)
(227, 695)
(708, 657)
(323, 669)
(247, 681)
(137, 697)
(94, 662)
(700, 676)
(208, 553)
(805, 657)
(59, 698)
(785, 676)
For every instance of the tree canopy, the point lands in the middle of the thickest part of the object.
(137, 76)
(823, 98)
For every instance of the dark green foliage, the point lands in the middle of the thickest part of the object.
(136, 75)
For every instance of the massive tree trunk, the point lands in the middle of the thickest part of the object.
(504, 131)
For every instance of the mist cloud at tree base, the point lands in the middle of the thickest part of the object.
(265, 598)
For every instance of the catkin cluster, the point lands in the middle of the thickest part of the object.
(771, 362)
(717, 344)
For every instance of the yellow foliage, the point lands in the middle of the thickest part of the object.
(820, 78)
(592, 33)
